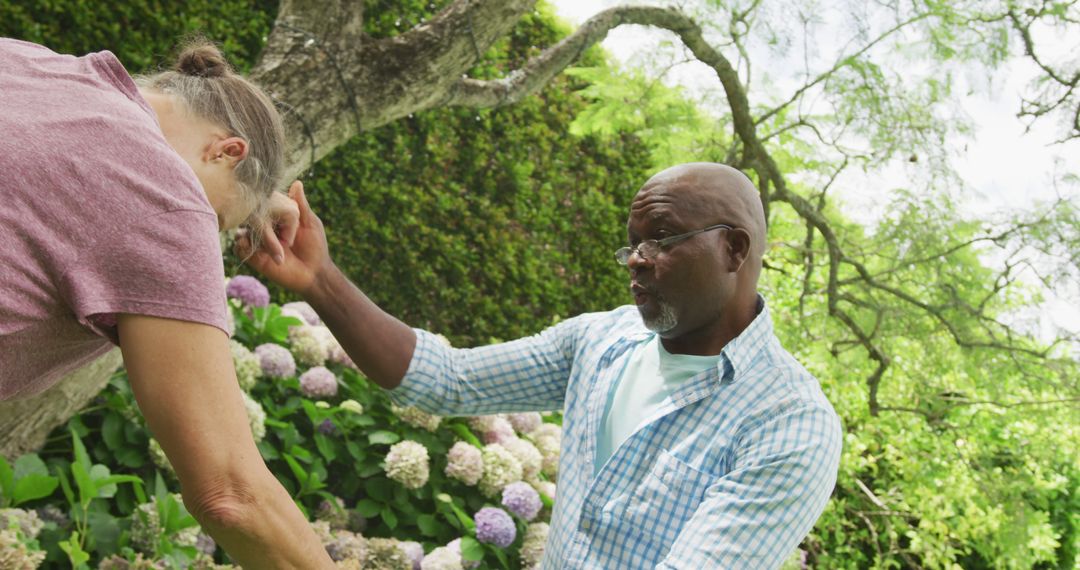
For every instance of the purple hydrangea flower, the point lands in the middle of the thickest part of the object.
(307, 314)
(413, 550)
(494, 526)
(248, 290)
(522, 500)
(318, 382)
(327, 427)
(276, 360)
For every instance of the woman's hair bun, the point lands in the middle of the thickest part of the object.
(202, 59)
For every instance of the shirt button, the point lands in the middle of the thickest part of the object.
(586, 524)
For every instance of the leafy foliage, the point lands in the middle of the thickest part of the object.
(330, 453)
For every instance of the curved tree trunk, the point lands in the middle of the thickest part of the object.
(25, 423)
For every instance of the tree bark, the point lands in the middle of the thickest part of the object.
(26, 422)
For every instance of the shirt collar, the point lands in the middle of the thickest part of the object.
(744, 349)
(737, 355)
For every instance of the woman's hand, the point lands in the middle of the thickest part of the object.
(304, 254)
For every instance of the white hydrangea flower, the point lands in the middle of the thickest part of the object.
(28, 522)
(14, 553)
(146, 528)
(532, 546)
(352, 406)
(442, 558)
(308, 346)
(547, 430)
(525, 422)
(499, 431)
(546, 488)
(247, 365)
(303, 311)
(549, 446)
(465, 463)
(256, 417)
(417, 417)
(527, 454)
(483, 424)
(500, 469)
(408, 464)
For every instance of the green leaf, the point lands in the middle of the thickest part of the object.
(501, 556)
(383, 437)
(368, 508)
(428, 524)
(76, 555)
(103, 531)
(471, 549)
(298, 471)
(355, 450)
(466, 434)
(380, 488)
(465, 520)
(30, 464)
(7, 480)
(112, 431)
(80, 471)
(32, 487)
(301, 453)
(130, 457)
(366, 471)
(100, 474)
(66, 486)
(388, 517)
(326, 447)
(160, 489)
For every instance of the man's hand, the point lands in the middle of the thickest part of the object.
(281, 231)
(304, 258)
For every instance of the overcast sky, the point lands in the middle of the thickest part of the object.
(1005, 168)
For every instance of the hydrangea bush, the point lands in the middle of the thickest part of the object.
(384, 486)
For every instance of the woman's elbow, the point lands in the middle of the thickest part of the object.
(227, 503)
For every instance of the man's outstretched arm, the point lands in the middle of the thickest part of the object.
(379, 344)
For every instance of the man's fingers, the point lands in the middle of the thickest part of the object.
(296, 192)
(288, 234)
(271, 245)
(242, 243)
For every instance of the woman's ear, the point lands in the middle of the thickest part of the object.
(231, 149)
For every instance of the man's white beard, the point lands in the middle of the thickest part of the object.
(662, 322)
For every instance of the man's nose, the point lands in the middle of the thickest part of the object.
(636, 261)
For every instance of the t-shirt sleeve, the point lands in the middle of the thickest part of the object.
(168, 265)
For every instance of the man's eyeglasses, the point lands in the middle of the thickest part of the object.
(650, 247)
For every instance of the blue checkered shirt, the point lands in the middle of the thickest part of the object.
(732, 471)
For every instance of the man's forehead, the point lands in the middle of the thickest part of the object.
(670, 196)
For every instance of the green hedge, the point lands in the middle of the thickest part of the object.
(478, 225)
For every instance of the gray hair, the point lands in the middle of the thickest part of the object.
(204, 81)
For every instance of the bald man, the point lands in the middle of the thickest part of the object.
(691, 438)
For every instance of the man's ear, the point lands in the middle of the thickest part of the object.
(738, 244)
(231, 149)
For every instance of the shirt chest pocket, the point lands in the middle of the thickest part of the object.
(665, 498)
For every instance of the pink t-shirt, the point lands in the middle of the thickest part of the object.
(98, 216)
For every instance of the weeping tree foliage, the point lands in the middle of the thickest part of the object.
(961, 425)
(919, 325)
